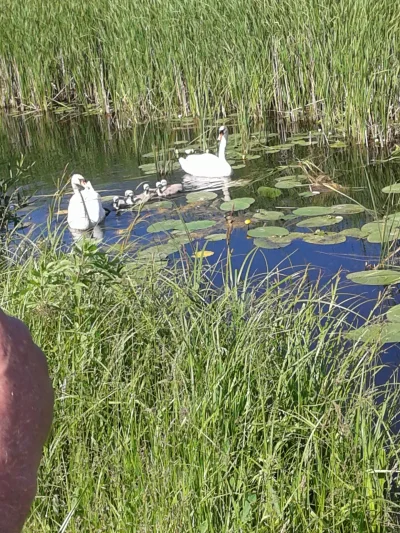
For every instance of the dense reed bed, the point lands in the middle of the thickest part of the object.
(182, 406)
(335, 60)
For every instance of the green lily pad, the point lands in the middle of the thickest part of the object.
(384, 235)
(267, 231)
(394, 314)
(179, 239)
(287, 184)
(200, 196)
(238, 204)
(160, 251)
(268, 215)
(147, 167)
(392, 189)
(347, 209)
(199, 224)
(237, 167)
(283, 147)
(338, 144)
(306, 194)
(252, 156)
(292, 177)
(312, 211)
(356, 233)
(317, 222)
(216, 237)
(289, 217)
(270, 244)
(248, 199)
(375, 277)
(394, 217)
(272, 150)
(324, 238)
(269, 192)
(388, 332)
(372, 227)
(164, 225)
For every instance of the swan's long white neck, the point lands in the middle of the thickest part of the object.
(222, 146)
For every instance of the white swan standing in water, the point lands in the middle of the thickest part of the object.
(209, 165)
(85, 209)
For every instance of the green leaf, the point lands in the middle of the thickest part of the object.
(317, 222)
(392, 189)
(201, 196)
(384, 235)
(267, 231)
(347, 209)
(288, 184)
(383, 333)
(356, 233)
(324, 238)
(268, 215)
(269, 192)
(239, 204)
(216, 237)
(164, 225)
(312, 211)
(375, 277)
(199, 224)
(394, 314)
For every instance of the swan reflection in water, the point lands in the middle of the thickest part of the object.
(198, 183)
(96, 233)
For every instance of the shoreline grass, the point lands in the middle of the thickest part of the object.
(337, 62)
(181, 406)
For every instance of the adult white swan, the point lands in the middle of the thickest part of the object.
(209, 165)
(85, 209)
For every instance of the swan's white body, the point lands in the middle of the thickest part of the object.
(209, 165)
(85, 209)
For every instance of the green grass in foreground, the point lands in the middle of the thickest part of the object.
(181, 407)
(336, 59)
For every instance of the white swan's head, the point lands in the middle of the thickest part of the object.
(77, 182)
(128, 194)
(158, 185)
(146, 187)
(164, 183)
(222, 132)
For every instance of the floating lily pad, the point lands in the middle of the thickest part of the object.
(200, 196)
(164, 225)
(312, 211)
(289, 217)
(392, 189)
(375, 277)
(288, 184)
(338, 144)
(216, 237)
(252, 156)
(268, 215)
(292, 177)
(179, 239)
(282, 147)
(147, 167)
(372, 227)
(160, 251)
(347, 209)
(272, 150)
(238, 204)
(394, 217)
(306, 194)
(269, 192)
(317, 222)
(271, 244)
(199, 224)
(248, 199)
(356, 233)
(237, 167)
(394, 314)
(203, 253)
(388, 332)
(324, 238)
(267, 231)
(384, 235)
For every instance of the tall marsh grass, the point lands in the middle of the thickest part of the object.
(181, 406)
(336, 60)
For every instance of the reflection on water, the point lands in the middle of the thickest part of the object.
(198, 183)
(96, 233)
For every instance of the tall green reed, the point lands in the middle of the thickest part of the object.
(337, 61)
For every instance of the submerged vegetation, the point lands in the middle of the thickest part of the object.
(337, 61)
(181, 406)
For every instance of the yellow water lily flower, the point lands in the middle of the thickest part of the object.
(203, 253)
(247, 221)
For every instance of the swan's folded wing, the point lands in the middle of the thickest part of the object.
(198, 164)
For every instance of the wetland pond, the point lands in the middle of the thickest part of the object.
(297, 199)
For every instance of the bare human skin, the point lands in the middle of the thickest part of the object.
(26, 411)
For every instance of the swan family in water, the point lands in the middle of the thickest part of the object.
(86, 211)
